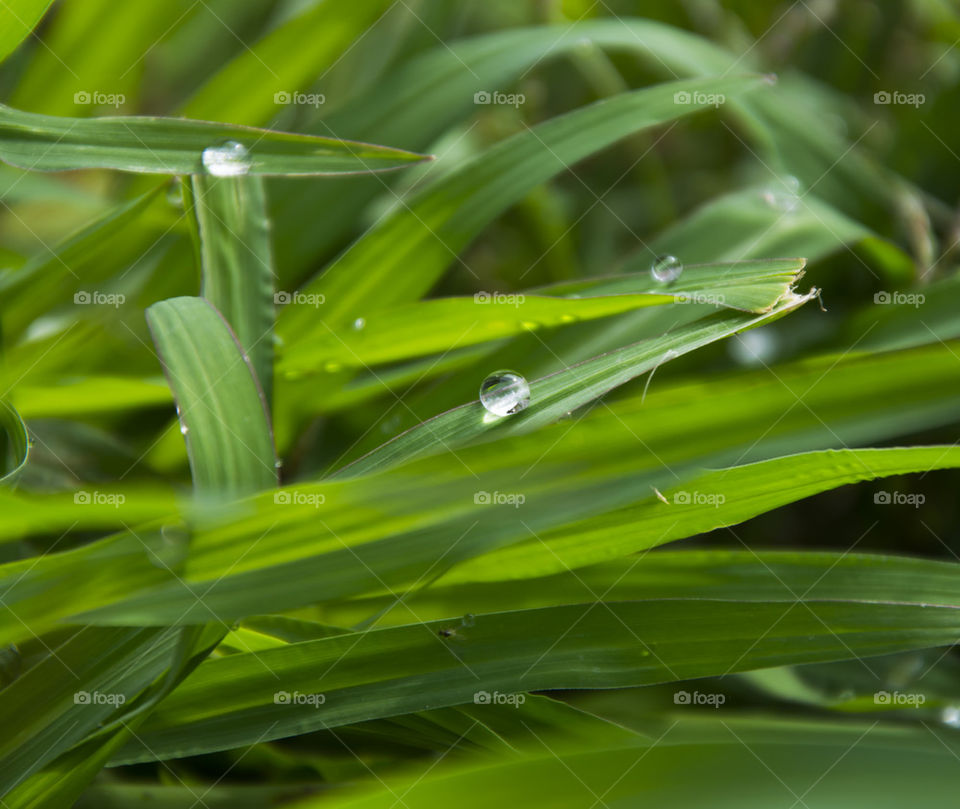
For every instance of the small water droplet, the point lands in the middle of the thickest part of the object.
(332, 367)
(784, 196)
(174, 195)
(230, 159)
(359, 323)
(666, 269)
(504, 393)
(529, 325)
(771, 78)
(169, 549)
(278, 464)
(468, 620)
(950, 716)
(184, 429)
(754, 347)
(568, 319)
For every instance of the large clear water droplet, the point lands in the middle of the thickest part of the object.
(360, 323)
(784, 196)
(504, 393)
(666, 269)
(230, 159)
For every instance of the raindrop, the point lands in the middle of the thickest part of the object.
(174, 197)
(468, 620)
(950, 716)
(771, 78)
(359, 323)
(666, 269)
(754, 347)
(504, 393)
(184, 429)
(785, 198)
(169, 549)
(230, 159)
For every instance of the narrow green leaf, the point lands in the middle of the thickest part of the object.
(17, 19)
(176, 145)
(14, 444)
(222, 411)
(237, 263)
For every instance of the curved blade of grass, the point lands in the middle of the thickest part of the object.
(399, 333)
(14, 444)
(230, 702)
(402, 256)
(558, 394)
(237, 263)
(175, 145)
(17, 19)
(222, 410)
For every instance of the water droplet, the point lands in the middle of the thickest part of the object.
(950, 716)
(504, 393)
(332, 367)
(230, 159)
(754, 347)
(359, 323)
(784, 196)
(278, 464)
(184, 429)
(529, 325)
(666, 269)
(169, 549)
(568, 319)
(771, 78)
(174, 196)
(468, 620)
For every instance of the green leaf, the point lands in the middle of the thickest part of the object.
(554, 396)
(17, 19)
(237, 263)
(613, 643)
(14, 444)
(399, 333)
(175, 146)
(402, 256)
(222, 411)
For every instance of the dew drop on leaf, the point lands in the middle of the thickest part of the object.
(666, 269)
(230, 159)
(504, 393)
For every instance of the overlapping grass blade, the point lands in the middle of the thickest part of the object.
(175, 146)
